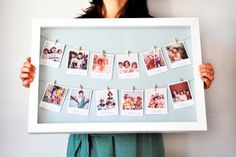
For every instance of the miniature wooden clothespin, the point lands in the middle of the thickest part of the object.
(129, 52)
(104, 52)
(176, 40)
(155, 87)
(155, 47)
(80, 48)
(81, 87)
(133, 88)
(56, 41)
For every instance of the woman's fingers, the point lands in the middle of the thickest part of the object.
(27, 70)
(204, 70)
(207, 75)
(29, 65)
(207, 82)
(26, 76)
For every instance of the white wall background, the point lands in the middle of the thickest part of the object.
(218, 32)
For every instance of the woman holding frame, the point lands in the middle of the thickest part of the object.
(119, 145)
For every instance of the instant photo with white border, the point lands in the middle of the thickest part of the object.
(79, 101)
(178, 61)
(131, 103)
(158, 61)
(52, 94)
(128, 66)
(101, 65)
(181, 100)
(78, 62)
(106, 102)
(52, 54)
(156, 101)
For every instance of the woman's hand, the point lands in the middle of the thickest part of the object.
(207, 74)
(27, 73)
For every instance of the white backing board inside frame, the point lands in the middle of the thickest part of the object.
(139, 35)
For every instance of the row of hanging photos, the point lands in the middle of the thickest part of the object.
(162, 67)
(132, 103)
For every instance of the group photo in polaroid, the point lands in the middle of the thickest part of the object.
(154, 61)
(181, 95)
(78, 62)
(52, 53)
(102, 65)
(79, 101)
(156, 101)
(177, 54)
(128, 66)
(106, 102)
(53, 97)
(131, 103)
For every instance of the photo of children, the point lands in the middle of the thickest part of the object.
(51, 54)
(177, 54)
(79, 101)
(156, 101)
(128, 66)
(154, 62)
(181, 95)
(106, 102)
(78, 62)
(53, 97)
(102, 66)
(132, 103)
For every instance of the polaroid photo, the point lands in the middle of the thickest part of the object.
(78, 62)
(177, 54)
(106, 102)
(102, 65)
(79, 101)
(154, 62)
(156, 101)
(128, 66)
(131, 103)
(52, 54)
(53, 97)
(181, 95)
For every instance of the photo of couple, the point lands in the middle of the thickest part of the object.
(177, 54)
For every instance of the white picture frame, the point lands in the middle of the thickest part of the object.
(122, 127)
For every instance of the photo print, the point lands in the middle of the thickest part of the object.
(177, 54)
(132, 103)
(156, 101)
(53, 97)
(102, 65)
(78, 62)
(52, 54)
(181, 95)
(128, 66)
(79, 101)
(154, 62)
(106, 102)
